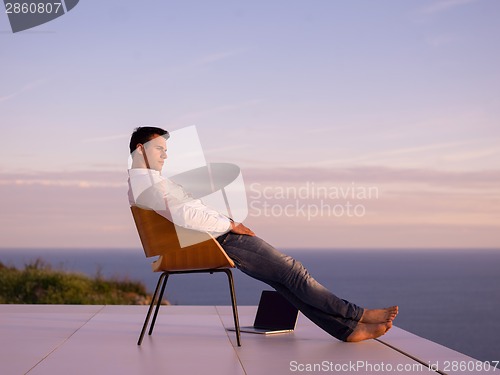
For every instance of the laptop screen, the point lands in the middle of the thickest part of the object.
(275, 312)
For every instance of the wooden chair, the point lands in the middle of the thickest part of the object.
(159, 238)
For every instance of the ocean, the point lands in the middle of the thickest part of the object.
(451, 297)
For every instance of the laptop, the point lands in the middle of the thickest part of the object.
(274, 315)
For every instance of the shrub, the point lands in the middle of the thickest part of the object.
(38, 283)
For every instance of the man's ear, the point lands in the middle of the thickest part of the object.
(139, 148)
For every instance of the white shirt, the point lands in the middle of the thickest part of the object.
(149, 189)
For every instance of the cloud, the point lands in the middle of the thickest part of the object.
(61, 183)
(418, 207)
(471, 155)
(417, 156)
(179, 70)
(90, 209)
(189, 117)
(441, 40)
(379, 175)
(386, 157)
(26, 88)
(327, 129)
(225, 149)
(488, 179)
(105, 139)
(411, 150)
(215, 57)
(83, 180)
(444, 5)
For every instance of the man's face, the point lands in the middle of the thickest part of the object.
(156, 152)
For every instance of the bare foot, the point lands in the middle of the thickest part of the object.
(368, 331)
(379, 315)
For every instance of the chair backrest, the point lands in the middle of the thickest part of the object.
(159, 237)
(157, 233)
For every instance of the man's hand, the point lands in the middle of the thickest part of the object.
(239, 228)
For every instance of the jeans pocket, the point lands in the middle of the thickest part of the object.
(222, 238)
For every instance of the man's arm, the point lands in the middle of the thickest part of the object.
(171, 201)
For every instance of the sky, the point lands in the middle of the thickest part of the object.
(356, 124)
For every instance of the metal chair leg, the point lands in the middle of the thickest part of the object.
(158, 304)
(158, 296)
(235, 307)
(153, 299)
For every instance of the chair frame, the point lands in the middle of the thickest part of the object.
(206, 255)
(157, 298)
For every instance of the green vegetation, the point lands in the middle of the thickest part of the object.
(38, 283)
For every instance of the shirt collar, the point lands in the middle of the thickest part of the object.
(142, 171)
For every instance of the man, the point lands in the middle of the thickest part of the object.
(252, 255)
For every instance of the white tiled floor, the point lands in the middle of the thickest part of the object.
(52, 340)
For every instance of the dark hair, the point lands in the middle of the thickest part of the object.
(144, 134)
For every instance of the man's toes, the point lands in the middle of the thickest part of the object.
(388, 326)
(393, 312)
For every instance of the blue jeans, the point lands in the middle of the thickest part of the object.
(258, 259)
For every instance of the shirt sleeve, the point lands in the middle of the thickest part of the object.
(195, 215)
(174, 203)
(191, 213)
